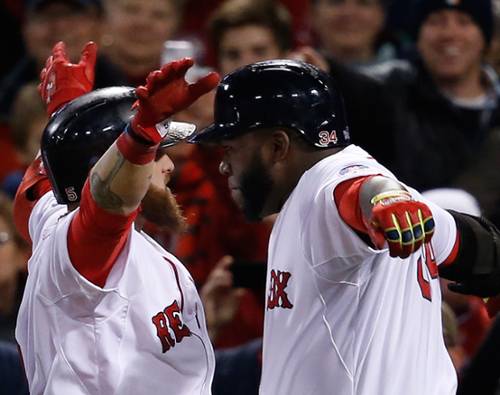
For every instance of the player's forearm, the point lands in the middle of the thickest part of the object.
(117, 185)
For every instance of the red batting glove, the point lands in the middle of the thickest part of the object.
(62, 81)
(166, 93)
(402, 222)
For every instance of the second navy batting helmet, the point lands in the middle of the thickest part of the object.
(279, 93)
(78, 134)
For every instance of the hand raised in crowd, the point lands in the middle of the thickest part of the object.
(62, 81)
(220, 299)
(402, 222)
(310, 55)
(167, 92)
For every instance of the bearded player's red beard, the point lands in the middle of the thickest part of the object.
(160, 208)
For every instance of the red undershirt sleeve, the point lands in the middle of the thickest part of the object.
(96, 238)
(346, 197)
(454, 252)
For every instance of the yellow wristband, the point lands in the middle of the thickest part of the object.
(390, 194)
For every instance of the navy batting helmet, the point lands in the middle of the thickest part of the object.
(78, 134)
(279, 93)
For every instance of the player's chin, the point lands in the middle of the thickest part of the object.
(160, 208)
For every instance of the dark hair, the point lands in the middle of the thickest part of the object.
(268, 13)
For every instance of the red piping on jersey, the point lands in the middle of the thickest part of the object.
(177, 280)
(454, 252)
(95, 230)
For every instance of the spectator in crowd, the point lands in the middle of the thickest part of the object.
(352, 31)
(14, 253)
(134, 32)
(47, 22)
(26, 132)
(427, 119)
(247, 31)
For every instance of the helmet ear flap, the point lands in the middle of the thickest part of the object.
(78, 134)
(279, 93)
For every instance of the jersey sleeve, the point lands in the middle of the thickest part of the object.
(331, 231)
(444, 239)
(60, 283)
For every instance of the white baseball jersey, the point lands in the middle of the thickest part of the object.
(342, 318)
(144, 332)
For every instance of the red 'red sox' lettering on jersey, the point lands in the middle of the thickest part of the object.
(277, 295)
(170, 319)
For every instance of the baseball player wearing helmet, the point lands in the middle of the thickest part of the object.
(106, 310)
(353, 298)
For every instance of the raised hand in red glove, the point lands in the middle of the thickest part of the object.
(402, 222)
(62, 81)
(166, 93)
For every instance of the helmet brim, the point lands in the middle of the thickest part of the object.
(177, 133)
(215, 133)
(210, 134)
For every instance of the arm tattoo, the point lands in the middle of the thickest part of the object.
(101, 188)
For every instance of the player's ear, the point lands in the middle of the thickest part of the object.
(280, 145)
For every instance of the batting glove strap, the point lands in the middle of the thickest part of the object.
(134, 148)
(151, 135)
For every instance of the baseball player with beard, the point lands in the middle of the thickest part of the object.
(353, 296)
(107, 310)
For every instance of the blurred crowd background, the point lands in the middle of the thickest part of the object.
(421, 90)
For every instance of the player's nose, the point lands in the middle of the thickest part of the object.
(167, 166)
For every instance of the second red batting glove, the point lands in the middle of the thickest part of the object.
(62, 81)
(402, 222)
(166, 92)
